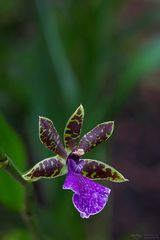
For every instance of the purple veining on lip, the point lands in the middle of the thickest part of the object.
(89, 197)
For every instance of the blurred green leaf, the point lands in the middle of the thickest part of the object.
(66, 79)
(17, 234)
(12, 194)
(144, 61)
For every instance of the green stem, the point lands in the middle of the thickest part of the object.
(29, 215)
(7, 164)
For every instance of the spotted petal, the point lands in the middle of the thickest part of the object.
(50, 137)
(73, 129)
(97, 135)
(47, 168)
(100, 171)
(89, 197)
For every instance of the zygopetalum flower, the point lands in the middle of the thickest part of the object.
(89, 197)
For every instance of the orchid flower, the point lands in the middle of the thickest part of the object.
(89, 197)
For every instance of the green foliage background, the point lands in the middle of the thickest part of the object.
(54, 56)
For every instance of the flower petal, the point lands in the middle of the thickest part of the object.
(50, 137)
(89, 197)
(97, 135)
(100, 171)
(73, 128)
(47, 168)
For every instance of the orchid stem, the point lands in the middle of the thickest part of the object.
(10, 168)
(7, 164)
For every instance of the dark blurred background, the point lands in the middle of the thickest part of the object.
(55, 55)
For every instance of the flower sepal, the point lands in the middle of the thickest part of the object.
(98, 170)
(48, 168)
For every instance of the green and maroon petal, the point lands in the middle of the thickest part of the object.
(50, 138)
(73, 129)
(48, 168)
(97, 170)
(97, 135)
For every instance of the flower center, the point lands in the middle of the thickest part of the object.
(74, 163)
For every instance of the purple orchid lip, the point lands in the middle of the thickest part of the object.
(92, 201)
(89, 197)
